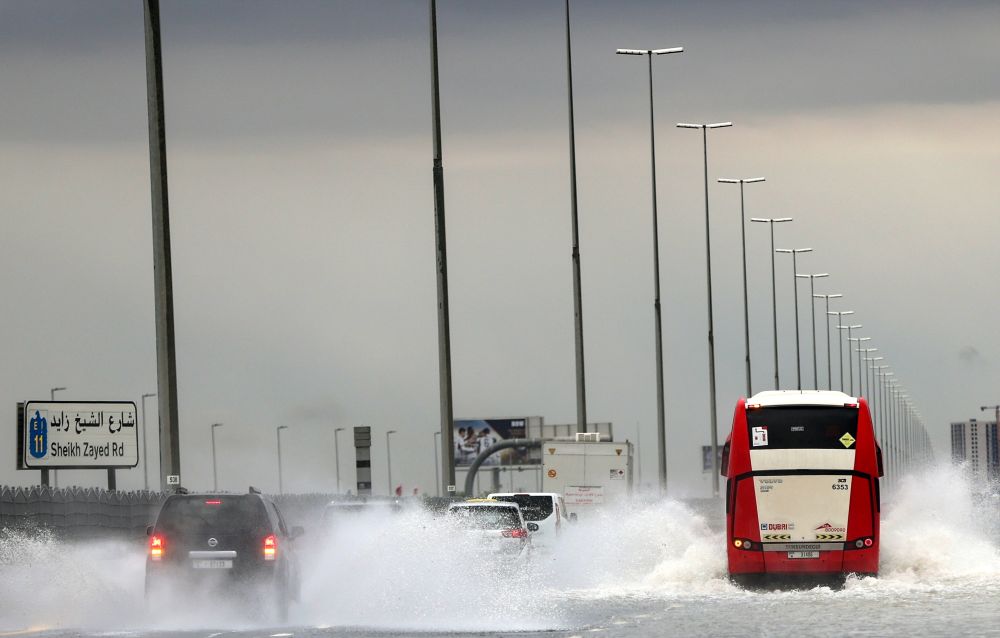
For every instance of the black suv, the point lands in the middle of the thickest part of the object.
(228, 543)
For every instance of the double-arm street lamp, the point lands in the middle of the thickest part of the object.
(336, 454)
(281, 484)
(711, 336)
(850, 359)
(388, 458)
(794, 252)
(840, 340)
(862, 352)
(743, 246)
(215, 474)
(145, 445)
(771, 221)
(829, 361)
(812, 305)
(435, 444)
(660, 410)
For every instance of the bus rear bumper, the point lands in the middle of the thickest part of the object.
(832, 562)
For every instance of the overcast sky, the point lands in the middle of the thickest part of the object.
(299, 154)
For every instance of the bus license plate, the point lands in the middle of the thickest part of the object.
(803, 554)
(213, 564)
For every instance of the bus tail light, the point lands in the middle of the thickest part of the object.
(864, 542)
(868, 542)
(742, 543)
(270, 547)
(155, 547)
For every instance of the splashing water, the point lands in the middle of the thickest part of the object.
(632, 568)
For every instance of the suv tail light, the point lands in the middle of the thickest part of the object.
(270, 547)
(519, 532)
(155, 547)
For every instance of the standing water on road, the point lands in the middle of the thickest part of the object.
(648, 570)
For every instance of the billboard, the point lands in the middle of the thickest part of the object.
(78, 434)
(472, 436)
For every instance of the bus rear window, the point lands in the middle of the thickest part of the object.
(798, 427)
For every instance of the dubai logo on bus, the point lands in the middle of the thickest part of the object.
(38, 435)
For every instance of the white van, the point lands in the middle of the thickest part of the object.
(545, 509)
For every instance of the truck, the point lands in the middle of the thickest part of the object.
(589, 471)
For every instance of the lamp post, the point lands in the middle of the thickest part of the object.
(281, 485)
(877, 392)
(215, 474)
(794, 252)
(887, 410)
(840, 340)
(771, 221)
(743, 246)
(336, 453)
(829, 360)
(45, 473)
(711, 336)
(581, 385)
(812, 307)
(145, 465)
(850, 364)
(859, 350)
(870, 376)
(436, 481)
(388, 458)
(660, 412)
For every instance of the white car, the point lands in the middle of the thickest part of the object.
(547, 510)
(496, 524)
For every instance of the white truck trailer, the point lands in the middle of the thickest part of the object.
(588, 472)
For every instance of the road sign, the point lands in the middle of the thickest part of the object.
(79, 435)
(173, 479)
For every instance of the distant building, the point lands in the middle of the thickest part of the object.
(975, 443)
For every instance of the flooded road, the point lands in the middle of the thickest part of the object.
(651, 570)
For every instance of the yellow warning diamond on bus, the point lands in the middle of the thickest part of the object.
(847, 439)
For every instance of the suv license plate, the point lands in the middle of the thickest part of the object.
(803, 554)
(213, 564)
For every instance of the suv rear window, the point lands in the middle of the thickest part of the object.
(533, 508)
(486, 517)
(797, 427)
(213, 514)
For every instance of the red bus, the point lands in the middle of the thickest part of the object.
(802, 488)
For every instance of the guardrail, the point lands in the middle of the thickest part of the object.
(77, 513)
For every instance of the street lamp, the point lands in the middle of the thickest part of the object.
(711, 336)
(215, 474)
(281, 485)
(145, 445)
(55, 476)
(859, 350)
(794, 252)
(870, 376)
(829, 361)
(812, 306)
(336, 453)
(840, 340)
(660, 412)
(771, 221)
(850, 365)
(882, 374)
(388, 458)
(436, 457)
(743, 245)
